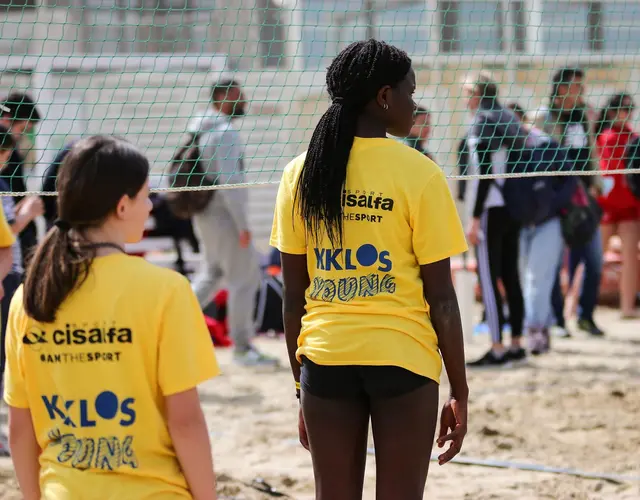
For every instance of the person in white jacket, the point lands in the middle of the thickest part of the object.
(222, 227)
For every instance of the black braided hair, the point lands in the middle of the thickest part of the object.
(353, 79)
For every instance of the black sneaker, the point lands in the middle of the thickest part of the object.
(517, 354)
(588, 325)
(490, 359)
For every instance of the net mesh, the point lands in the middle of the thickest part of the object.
(142, 69)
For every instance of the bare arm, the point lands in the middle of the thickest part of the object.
(445, 317)
(296, 281)
(6, 261)
(26, 211)
(190, 437)
(24, 452)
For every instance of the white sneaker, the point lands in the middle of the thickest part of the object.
(253, 357)
(560, 332)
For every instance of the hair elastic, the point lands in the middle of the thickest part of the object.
(338, 100)
(63, 225)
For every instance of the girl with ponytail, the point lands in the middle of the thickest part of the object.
(105, 350)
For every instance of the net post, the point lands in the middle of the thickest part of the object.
(435, 33)
(41, 86)
(465, 281)
(533, 42)
(293, 19)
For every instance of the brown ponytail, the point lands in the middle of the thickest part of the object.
(57, 267)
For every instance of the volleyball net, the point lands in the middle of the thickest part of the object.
(143, 69)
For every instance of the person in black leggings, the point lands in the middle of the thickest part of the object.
(494, 233)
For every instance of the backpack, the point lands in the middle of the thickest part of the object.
(267, 313)
(532, 200)
(268, 310)
(580, 218)
(186, 171)
(632, 160)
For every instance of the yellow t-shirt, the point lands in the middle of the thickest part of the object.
(96, 378)
(6, 235)
(365, 304)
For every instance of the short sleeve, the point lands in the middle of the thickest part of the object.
(186, 355)
(288, 232)
(15, 392)
(6, 235)
(437, 230)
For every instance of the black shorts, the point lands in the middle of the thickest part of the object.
(357, 381)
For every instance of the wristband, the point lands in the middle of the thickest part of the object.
(297, 386)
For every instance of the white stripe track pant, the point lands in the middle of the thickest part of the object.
(497, 256)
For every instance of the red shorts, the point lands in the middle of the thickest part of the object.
(622, 214)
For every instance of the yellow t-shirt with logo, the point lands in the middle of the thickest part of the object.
(96, 378)
(365, 304)
(6, 235)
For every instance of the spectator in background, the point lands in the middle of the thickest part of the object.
(31, 208)
(13, 278)
(223, 228)
(569, 120)
(494, 233)
(621, 208)
(517, 110)
(541, 242)
(421, 131)
(49, 184)
(19, 115)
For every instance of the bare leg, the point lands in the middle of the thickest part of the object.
(337, 430)
(607, 231)
(403, 431)
(629, 234)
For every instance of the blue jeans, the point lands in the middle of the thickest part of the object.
(540, 257)
(591, 254)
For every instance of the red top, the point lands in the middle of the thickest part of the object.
(611, 147)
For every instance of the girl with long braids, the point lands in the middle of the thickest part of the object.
(366, 226)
